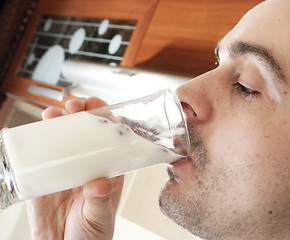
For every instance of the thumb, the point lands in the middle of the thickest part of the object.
(100, 187)
(99, 208)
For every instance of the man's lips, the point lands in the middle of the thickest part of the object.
(180, 162)
(177, 168)
(171, 174)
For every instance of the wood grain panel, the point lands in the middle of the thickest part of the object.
(140, 10)
(180, 38)
(182, 34)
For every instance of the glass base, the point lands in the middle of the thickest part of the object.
(8, 192)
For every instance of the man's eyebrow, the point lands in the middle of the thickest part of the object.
(263, 54)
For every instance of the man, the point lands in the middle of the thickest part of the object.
(236, 183)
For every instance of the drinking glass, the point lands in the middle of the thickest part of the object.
(65, 152)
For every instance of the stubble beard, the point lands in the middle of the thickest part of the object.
(194, 207)
(184, 210)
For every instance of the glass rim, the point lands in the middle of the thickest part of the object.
(178, 104)
(183, 117)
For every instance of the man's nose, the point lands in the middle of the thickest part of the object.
(195, 99)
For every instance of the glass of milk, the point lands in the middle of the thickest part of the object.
(65, 152)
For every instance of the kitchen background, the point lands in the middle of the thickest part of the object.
(53, 50)
(138, 217)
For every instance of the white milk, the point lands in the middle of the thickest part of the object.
(65, 152)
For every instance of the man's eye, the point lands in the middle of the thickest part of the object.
(244, 91)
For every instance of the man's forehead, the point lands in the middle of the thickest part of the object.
(269, 11)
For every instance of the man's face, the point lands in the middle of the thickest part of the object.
(236, 185)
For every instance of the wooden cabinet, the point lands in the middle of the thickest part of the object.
(168, 35)
(140, 11)
(183, 34)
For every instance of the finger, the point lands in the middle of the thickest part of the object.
(101, 199)
(51, 112)
(75, 105)
(98, 188)
(94, 102)
(94, 106)
(98, 207)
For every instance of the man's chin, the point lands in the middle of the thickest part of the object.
(171, 206)
(184, 212)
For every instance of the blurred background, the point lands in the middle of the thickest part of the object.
(52, 51)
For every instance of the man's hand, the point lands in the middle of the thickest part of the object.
(86, 212)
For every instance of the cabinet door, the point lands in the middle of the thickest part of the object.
(102, 31)
(183, 34)
(163, 35)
